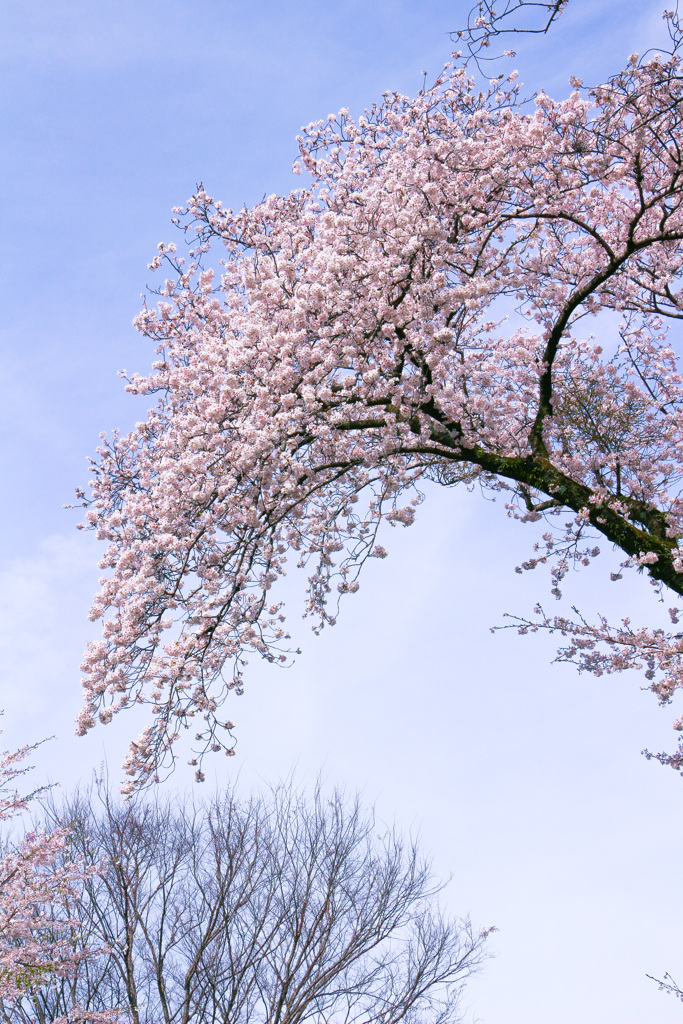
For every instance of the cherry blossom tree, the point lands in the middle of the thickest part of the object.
(39, 884)
(471, 289)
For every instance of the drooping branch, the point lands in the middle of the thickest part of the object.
(354, 346)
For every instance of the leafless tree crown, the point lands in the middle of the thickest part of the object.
(277, 911)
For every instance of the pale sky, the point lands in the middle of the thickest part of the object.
(524, 779)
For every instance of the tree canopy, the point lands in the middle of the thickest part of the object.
(473, 289)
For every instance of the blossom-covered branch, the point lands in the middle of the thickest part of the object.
(668, 985)
(423, 311)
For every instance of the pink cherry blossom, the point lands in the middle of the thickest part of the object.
(38, 883)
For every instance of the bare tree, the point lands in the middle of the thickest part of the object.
(279, 910)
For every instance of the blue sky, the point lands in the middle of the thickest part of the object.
(524, 779)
